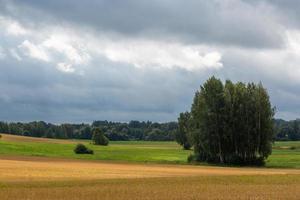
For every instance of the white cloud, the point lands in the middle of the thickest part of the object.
(62, 44)
(12, 27)
(2, 54)
(16, 29)
(74, 47)
(77, 47)
(35, 51)
(15, 54)
(147, 53)
(64, 67)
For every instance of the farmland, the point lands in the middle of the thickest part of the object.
(49, 178)
(285, 154)
(37, 168)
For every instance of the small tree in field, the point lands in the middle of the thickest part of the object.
(99, 137)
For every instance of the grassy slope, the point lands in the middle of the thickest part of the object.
(158, 152)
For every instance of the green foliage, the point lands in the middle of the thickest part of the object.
(287, 130)
(157, 135)
(114, 131)
(99, 137)
(81, 149)
(182, 134)
(231, 123)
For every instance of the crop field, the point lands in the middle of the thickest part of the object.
(37, 168)
(49, 178)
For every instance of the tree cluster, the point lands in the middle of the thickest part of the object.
(114, 131)
(229, 123)
(287, 130)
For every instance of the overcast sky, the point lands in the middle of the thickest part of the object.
(121, 60)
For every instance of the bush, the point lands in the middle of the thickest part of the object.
(0, 136)
(191, 158)
(291, 148)
(81, 149)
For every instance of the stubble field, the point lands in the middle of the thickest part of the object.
(45, 178)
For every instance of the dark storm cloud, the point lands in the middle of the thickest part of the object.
(31, 92)
(214, 22)
(287, 11)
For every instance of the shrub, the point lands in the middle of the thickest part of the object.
(191, 158)
(81, 149)
(291, 148)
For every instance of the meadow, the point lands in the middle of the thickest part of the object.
(48, 169)
(285, 154)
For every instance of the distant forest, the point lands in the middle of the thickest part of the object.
(287, 130)
(114, 131)
(134, 130)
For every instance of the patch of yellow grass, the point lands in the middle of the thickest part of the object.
(30, 168)
(175, 188)
(19, 138)
(33, 178)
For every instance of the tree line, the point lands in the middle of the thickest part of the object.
(287, 130)
(114, 131)
(228, 123)
(134, 130)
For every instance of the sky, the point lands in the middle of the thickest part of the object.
(121, 60)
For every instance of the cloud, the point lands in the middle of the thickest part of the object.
(15, 29)
(35, 51)
(62, 44)
(12, 27)
(226, 22)
(65, 67)
(2, 54)
(15, 54)
(143, 53)
(70, 47)
(144, 60)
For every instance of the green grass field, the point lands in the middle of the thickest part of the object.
(158, 152)
(285, 154)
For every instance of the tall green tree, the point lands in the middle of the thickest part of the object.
(99, 137)
(182, 135)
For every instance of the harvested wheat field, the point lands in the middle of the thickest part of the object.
(46, 178)
(19, 138)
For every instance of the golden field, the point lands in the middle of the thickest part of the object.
(34, 178)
